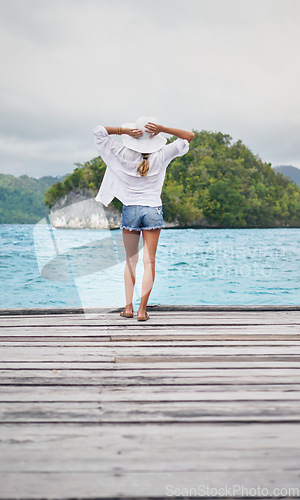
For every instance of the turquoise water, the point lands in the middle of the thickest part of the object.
(45, 267)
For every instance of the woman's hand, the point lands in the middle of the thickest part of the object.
(153, 128)
(133, 132)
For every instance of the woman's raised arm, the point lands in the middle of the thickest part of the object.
(155, 129)
(134, 132)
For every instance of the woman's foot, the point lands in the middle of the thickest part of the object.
(142, 315)
(127, 311)
(143, 318)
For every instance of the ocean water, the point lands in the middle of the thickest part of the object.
(45, 267)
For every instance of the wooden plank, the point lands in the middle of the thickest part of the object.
(31, 341)
(156, 340)
(151, 411)
(151, 347)
(211, 331)
(160, 358)
(141, 341)
(130, 330)
(236, 345)
(217, 337)
(55, 379)
(131, 448)
(172, 393)
(215, 460)
(146, 485)
(39, 354)
(273, 317)
(160, 393)
(164, 366)
(12, 351)
(276, 437)
(179, 370)
(260, 360)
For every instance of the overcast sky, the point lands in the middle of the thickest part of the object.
(222, 65)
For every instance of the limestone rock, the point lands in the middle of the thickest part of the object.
(78, 209)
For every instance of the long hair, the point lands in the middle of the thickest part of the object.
(143, 167)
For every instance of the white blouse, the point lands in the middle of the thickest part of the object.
(121, 179)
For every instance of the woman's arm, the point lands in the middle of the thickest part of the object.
(134, 132)
(155, 129)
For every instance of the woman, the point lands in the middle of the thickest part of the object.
(135, 175)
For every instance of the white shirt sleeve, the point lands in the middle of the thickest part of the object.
(179, 147)
(100, 136)
(106, 146)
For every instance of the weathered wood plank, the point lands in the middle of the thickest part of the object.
(106, 379)
(13, 354)
(145, 353)
(170, 393)
(111, 349)
(278, 436)
(131, 331)
(156, 370)
(32, 448)
(179, 367)
(158, 394)
(146, 485)
(265, 318)
(147, 347)
(160, 358)
(204, 361)
(148, 341)
(151, 411)
(290, 347)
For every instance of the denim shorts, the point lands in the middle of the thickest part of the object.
(139, 217)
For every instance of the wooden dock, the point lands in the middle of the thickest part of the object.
(187, 404)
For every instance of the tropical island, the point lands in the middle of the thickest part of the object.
(218, 183)
(22, 198)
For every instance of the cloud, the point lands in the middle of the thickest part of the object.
(203, 64)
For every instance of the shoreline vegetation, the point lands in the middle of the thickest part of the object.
(217, 184)
(22, 198)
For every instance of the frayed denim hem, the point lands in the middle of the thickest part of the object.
(130, 228)
(153, 227)
(141, 228)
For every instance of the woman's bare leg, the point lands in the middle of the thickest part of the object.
(131, 244)
(150, 237)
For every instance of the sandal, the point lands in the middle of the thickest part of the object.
(126, 315)
(143, 318)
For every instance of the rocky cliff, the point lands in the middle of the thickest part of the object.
(79, 210)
